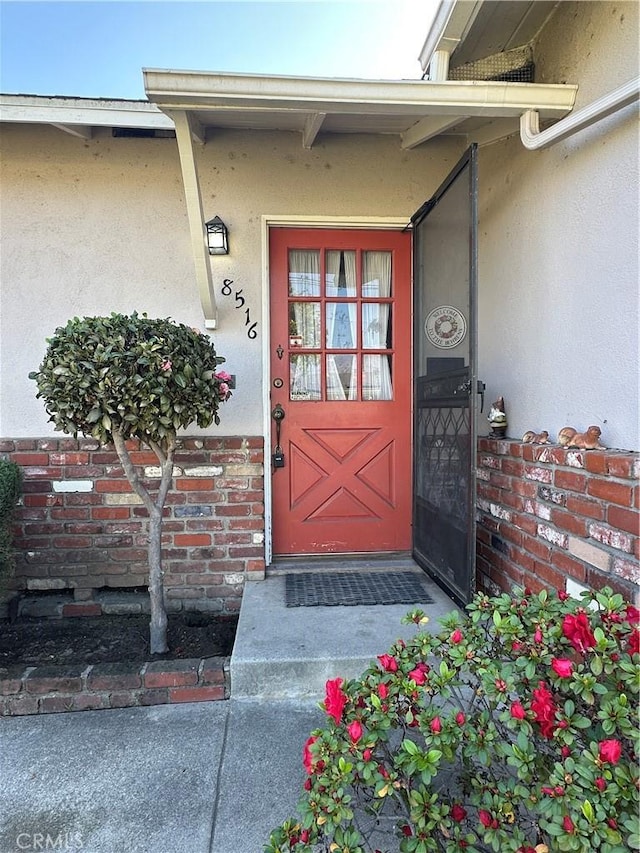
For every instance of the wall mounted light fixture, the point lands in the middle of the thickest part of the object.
(217, 236)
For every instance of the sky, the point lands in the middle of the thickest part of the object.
(97, 49)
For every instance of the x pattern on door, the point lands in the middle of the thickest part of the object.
(329, 480)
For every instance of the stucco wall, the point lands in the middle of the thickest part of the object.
(90, 227)
(558, 268)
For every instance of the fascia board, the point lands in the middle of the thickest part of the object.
(202, 91)
(90, 113)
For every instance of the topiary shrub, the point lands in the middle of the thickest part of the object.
(515, 729)
(122, 377)
(10, 491)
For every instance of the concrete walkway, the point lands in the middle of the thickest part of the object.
(211, 777)
(195, 778)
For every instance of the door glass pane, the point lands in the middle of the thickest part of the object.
(340, 274)
(376, 331)
(304, 324)
(341, 325)
(304, 272)
(376, 274)
(376, 377)
(342, 377)
(305, 383)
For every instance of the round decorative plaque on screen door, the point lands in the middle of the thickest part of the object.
(445, 327)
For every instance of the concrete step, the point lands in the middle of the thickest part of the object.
(285, 652)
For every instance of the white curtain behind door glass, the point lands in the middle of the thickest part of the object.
(334, 286)
(376, 276)
(304, 272)
(341, 316)
(304, 280)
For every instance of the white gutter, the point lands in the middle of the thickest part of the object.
(533, 138)
(210, 91)
(82, 112)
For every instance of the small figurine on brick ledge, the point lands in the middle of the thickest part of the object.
(497, 419)
(531, 437)
(590, 440)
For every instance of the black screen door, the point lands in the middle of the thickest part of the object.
(445, 273)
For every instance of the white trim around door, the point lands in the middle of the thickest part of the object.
(394, 223)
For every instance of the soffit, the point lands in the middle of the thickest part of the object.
(480, 28)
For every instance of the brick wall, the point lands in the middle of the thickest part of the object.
(82, 528)
(54, 689)
(546, 514)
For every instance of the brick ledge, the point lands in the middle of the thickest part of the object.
(28, 690)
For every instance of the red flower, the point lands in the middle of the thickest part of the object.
(565, 752)
(335, 699)
(610, 751)
(544, 710)
(578, 631)
(366, 755)
(355, 731)
(383, 690)
(460, 718)
(436, 725)
(485, 818)
(562, 595)
(389, 663)
(634, 642)
(567, 824)
(456, 637)
(558, 791)
(307, 757)
(406, 831)
(601, 783)
(517, 711)
(537, 637)
(304, 836)
(458, 813)
(562, 667)
(632, 615)
(419, 674)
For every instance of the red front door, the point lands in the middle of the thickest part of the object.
(341, 374)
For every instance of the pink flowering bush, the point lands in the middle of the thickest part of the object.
(514, 729)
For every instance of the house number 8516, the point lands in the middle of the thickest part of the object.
(239, 301)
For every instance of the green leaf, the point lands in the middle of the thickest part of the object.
(410, 747)
(94, 415)
(587, 811)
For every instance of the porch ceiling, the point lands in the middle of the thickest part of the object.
(413, 110)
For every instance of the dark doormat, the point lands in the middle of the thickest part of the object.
(326, 589)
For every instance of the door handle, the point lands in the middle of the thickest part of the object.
(480, 390)
(465, 388)
(278, 414)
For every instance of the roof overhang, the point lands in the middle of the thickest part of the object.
(413, 110)
(78, 116)
(469, 30)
